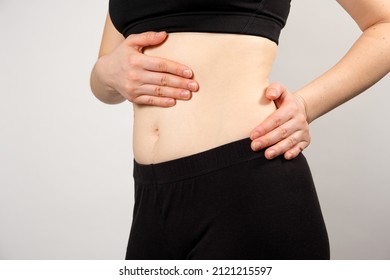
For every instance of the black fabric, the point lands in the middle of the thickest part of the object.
(263, 18)
(227, 203)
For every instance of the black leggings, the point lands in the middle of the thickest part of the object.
(227, 203)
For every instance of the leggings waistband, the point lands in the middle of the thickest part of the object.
(196, 164)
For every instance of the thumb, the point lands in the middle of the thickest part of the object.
(275, 91)
(146, 39)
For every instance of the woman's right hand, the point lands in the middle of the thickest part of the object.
(143, 79)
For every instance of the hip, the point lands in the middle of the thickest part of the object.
(227, 203)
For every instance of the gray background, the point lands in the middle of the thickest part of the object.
(66, 160)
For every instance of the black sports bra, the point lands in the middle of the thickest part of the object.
(264, 18)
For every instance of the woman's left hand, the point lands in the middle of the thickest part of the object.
(285, 131)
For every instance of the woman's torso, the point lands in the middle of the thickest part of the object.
(232, 72)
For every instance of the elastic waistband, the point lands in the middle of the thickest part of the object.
(267, 26)
(196, 164)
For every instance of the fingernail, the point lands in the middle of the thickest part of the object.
(256, 146)
(271, 92)
(255, 135)
(192, 86)
(170, 102)
(185, 94)
(271, 154)
(187, 73)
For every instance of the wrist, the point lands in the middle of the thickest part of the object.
(304, 107)
(100, 84)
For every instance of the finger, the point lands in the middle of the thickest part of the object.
(169, 80)
(145, 39)
(154, 101)
(295, 151)
(275, 91)
(166, 66)
(276, 119)
(161, 91)
(274, 136)
(290, 147)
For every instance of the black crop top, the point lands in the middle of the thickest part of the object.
(263, 18)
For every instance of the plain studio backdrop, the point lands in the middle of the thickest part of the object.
(66, 189)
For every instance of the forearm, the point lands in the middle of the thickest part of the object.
(100, 88)
(364, 64)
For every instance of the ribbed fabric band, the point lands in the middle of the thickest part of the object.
(196, 164)
(212, 23)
